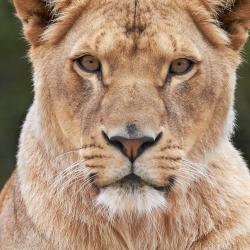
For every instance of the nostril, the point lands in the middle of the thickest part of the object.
(132, 148)
(149, 143)
(113, 141)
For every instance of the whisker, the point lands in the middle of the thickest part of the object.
(98, 156)
(87, 146)
(167, 167)
(169, 147)
(70, 174)
(65, 173)
(86, 185)
(71, 167)
(94, 166)
(71, 171)
(73, 180)
(168, 158)
(192, 170)
(189, 173)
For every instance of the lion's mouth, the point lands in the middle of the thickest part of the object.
(133, 182)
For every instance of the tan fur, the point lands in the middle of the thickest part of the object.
(50, 202)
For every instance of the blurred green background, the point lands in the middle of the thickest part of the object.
(16, 92)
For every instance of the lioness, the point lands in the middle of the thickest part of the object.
(127, 143)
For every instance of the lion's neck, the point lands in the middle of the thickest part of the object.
(68, 220)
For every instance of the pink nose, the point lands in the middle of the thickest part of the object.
(133, 147)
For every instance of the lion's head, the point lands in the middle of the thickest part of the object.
(129, 94)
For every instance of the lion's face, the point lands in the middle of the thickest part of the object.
(136, 98)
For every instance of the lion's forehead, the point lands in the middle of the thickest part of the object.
(136, 16)
(133, 18)
(140, 17)
(124, 26)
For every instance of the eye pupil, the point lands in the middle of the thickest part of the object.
(89, 63)
(181, 66)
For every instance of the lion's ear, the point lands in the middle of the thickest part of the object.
(234, 18)
(35, 16)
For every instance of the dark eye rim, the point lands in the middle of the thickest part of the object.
(191, 65)
(79, 64)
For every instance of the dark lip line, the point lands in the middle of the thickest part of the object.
(167, 188)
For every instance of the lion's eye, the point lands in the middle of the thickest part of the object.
(89, 64)
(181, 66)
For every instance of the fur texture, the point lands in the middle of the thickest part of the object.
(67, 192)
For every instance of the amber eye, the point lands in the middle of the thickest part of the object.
(181, 66)
(89, 64)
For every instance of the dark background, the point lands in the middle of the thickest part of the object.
(16, 92)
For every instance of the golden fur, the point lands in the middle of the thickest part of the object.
(50, 201)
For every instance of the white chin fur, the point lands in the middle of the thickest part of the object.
(120, 200)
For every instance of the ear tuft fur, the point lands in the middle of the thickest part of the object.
(37, 15)
(234, 18)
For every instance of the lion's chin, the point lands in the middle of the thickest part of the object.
(124, 199)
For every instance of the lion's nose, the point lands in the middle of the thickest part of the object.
(134, 147)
